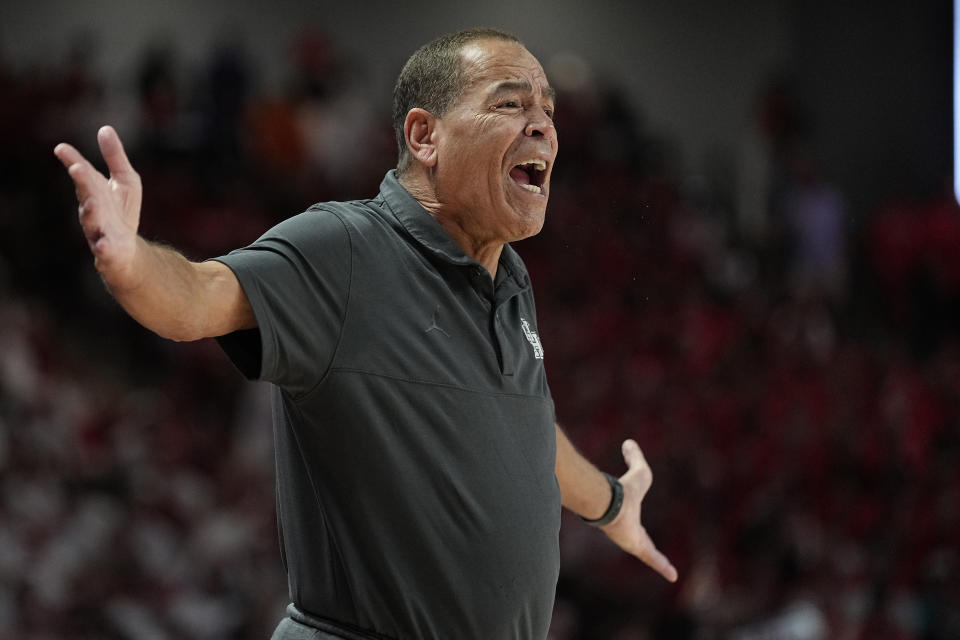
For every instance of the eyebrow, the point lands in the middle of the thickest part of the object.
(522, 85)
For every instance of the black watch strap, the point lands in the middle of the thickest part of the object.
(616, 502)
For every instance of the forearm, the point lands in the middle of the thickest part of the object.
(584, 490)
(179, 299)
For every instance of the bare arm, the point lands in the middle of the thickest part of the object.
(583, 489)
(586, 492)
(157, 286)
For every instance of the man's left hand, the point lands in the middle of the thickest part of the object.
(626, 530)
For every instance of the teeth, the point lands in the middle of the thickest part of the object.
(537, 164)
(532, 188)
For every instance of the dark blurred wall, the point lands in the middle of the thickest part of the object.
(876, 79)
(692, 68)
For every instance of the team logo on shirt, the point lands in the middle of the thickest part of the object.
(533, 339)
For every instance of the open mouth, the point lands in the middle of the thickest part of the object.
(530, 175)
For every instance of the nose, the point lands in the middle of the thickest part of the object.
(540, 125)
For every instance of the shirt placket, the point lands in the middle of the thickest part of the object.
(494, 302)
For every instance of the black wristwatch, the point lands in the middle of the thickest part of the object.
(616, 502)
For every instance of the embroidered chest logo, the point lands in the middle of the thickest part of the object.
(533, 339)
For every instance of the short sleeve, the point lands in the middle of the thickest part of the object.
(297, 279)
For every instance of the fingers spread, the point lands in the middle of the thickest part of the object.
(113, 153)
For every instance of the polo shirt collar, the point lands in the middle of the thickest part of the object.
(425, 229)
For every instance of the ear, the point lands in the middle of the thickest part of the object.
(419, 129)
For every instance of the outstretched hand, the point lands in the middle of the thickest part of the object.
(109, 209)
(626, 530)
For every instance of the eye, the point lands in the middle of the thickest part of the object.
(510, 104)
(549, 112)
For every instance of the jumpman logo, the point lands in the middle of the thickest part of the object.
(433, 323)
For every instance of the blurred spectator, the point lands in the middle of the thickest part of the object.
(815, 218)
(767, 143)
(913, 252)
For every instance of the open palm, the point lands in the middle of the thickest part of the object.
(109, 209)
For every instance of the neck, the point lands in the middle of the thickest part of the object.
(486, 251)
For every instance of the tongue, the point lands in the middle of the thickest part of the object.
(520, 175)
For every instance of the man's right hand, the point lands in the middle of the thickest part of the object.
(157, 286)
(109, 210)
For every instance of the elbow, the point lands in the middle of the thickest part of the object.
(178, 336)
(180, 332)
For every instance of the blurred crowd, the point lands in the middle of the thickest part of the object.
(793, 377)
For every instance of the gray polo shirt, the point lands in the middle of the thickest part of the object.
(414, 428)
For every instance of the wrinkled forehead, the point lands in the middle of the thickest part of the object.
(489, 62)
